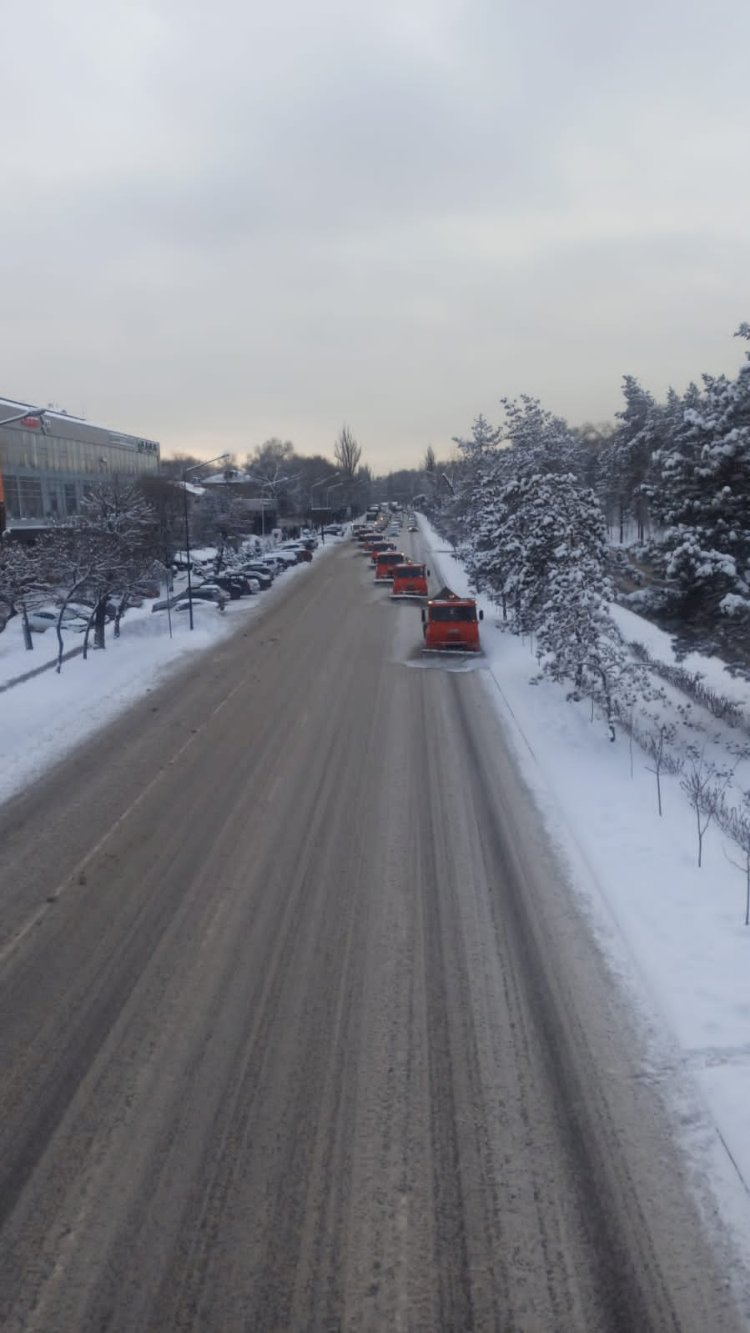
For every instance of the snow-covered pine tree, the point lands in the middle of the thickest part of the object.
(624, 461)
(463, 490)
(505, 484)
(540, 441)
(702, 498)
(538, 548)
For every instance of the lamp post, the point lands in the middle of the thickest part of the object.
(313, 488)
(322, 481)
(269, 484)
(328, 493)
(195, 467)
(263, 504)
(21, 416)
(335, 487)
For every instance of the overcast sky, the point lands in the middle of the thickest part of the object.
(230, 220)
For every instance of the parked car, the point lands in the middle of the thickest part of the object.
(83, 611)
(281, 562)
(84, 605)
(45, 619)
(206, 592)
(234, 586)
(263, 574)
(299, 552)
(200, 606)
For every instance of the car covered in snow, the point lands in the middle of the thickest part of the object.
(47, 617)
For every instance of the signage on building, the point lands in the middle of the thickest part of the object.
(31, 423)
(130, 442)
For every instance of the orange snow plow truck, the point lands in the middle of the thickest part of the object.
(450, 624)
(385, 563)
(409, 582)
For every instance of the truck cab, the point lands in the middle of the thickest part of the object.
(409, 582)
(451, 624)
(385, 563)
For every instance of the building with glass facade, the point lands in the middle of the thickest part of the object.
(49, 460)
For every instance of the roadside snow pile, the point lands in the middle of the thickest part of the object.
(687, 951)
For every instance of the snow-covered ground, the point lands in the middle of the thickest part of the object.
(44, 718)
(674, 933)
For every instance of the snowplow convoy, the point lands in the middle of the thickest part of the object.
(450, 624)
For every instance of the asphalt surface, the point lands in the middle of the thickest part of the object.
(301, 1029)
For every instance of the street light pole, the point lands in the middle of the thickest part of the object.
(270, 484)
(221, 459)
(21, 416)
(320, 482)
(263, 504)
(328, 492)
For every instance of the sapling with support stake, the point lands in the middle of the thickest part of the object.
(662, 760)
(705, 795)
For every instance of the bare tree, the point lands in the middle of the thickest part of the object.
(271, 460)
(120, 529)
(167, 501)
(662, 760)
(24, 583)
(347, 453)
(68, 559)
(704, 786)
(174, 466)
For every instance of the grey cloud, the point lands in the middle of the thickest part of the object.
(391, 213)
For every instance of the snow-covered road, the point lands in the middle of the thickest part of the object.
(291, 975)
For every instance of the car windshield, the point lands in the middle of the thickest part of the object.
(453, 613)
